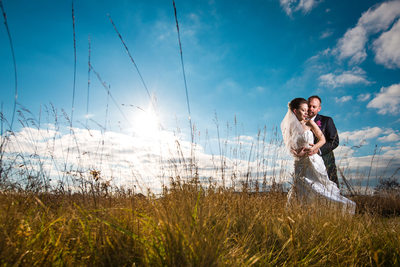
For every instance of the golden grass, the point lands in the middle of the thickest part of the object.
(189, 226)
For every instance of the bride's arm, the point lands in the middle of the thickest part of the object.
(320, 136)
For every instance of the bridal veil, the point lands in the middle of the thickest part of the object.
(292, 131)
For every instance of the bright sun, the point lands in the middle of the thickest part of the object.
(147, 123)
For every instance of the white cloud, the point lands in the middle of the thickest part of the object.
(383, 163)
(343, 99)
(355, 76)
(148, 161)
(393, 137)
(343, 151)
(392, 151)
(387, 100)
(242, 140)
(307, 5)
(376, 19)
(364, 97)
(380, 17)
(360, 135)
(119, 157)
(288, 6)
(387, 48)
(326, 34)
(352, 45)
(291, 6)
(139, 158)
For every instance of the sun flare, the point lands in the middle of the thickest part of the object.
(147, 123)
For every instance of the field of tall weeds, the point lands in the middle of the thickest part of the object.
(189, 225)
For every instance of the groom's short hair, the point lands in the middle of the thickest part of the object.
(314, 96)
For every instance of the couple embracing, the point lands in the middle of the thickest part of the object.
(311, 138)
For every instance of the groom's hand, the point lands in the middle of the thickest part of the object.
(301, 152)
(311, 151)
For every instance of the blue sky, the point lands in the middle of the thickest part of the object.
(242, 58)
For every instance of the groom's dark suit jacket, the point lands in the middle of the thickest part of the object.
(328, 128)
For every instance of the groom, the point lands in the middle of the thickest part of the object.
(329, 130)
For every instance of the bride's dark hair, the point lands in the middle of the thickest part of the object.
(295, 103)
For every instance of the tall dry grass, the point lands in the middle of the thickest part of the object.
(188, 225)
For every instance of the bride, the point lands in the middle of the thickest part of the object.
(311, 182)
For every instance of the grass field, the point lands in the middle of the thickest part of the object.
(192, 226)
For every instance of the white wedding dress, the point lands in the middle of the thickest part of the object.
(310, 182)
